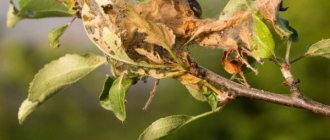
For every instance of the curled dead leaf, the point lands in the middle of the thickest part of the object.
(269, 9)
(189, 79)
(232, 66)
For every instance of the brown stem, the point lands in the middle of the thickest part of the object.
(290, 81)
(151, 95)
(243, 91)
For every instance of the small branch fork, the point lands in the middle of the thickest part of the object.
(238, 90)
(286, 72)
(295, 99)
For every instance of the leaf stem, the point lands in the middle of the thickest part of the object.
(151, 95)
(204, 114)
(207, 84)
(297, 59)
(288, 50)
(176, 59)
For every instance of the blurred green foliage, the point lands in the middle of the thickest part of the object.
(76, 114)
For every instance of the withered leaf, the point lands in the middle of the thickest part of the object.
(269, 8)
(189, 79)
(114, 44)
(153, 56)
(233, 7)
(231, 66)
(192, 84)
(157, 33)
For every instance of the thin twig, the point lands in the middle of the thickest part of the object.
(297, 59)
(243, 91)
(72, 20)
(151, 95)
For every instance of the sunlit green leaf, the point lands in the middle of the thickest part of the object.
(321, 48)
(56, 76)
(55, 34)
(36, 9)
(168, 125)
(42, 8)
(104, 97)
(263, 42)
(117, 96)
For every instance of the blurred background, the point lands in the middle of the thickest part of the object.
(76, 114)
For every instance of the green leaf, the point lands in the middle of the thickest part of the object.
(263, 42)
(12, 17)
(36, 9)
(212, 100)
(104, 97)
(117, 96)
(168, 125)
(164, 126)
(321, 48)
(55, 34)
(197, 92)
(56, 76)
(42, 8)
(202, 93)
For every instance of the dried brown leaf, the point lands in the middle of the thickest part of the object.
(153, 56)
(269, 9)
(187, 79)
(157, 33)
(231, 66)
